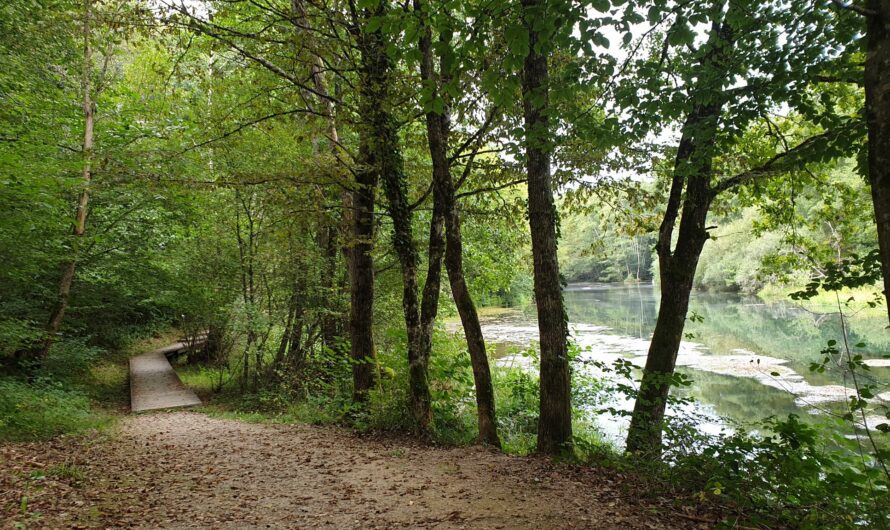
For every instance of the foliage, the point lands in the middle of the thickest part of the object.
(789, 474)
(42, 409)
(600, 248)
(227, 142)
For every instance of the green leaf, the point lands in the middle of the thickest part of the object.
(373, 24)
(681, 35)
(517, 40)
(600, 5)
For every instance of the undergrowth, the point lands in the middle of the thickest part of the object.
(80, 386)
(780, 472)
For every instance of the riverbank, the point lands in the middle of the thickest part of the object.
(864, 302)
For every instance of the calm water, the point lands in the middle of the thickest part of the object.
(730, 356)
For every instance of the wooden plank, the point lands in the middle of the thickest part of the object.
(154, 384)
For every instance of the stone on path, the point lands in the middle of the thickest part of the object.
(155, 385)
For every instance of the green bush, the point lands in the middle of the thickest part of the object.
(71, 359)
(43, 409)
(516, 394)
(16, 335)
(790, 475)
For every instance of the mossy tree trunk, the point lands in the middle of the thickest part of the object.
(383, 139)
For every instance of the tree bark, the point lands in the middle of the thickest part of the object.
(384, 158)
(877, 115)
(677, 273)
(444, 204)
(555, 420)
(376, 80)
(361, 285)
(328, 280)
(429, 305)
(430, 301)
(80, 216)
(281, 353)
(693, 168)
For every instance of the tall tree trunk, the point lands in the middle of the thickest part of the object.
(376, 80)
(329, 320)
(361, 285)
(387, 161)
(438, 130)
(430, 300)
(293, 320)
(80, 216)
(677, 272)
(877, 115)
(332, 317)
(555, 421)
(693, 167)
(429, 305)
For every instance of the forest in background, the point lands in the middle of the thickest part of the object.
(775, 245)
(317, 185)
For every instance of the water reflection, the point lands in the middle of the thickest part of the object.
(618, 320)
(734, 322)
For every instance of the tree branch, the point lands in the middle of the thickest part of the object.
(246, 125)
(780, 163)
(203, 27)
(476, 136)
(855, 8)
(490, 188)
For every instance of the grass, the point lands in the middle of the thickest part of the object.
(80, 388)
(67, 472)
(204, 381)
(43, 409)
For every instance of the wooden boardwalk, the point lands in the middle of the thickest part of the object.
(154, 384)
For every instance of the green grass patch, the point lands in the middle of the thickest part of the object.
(80, 387)
(43, 409)
(203, 380)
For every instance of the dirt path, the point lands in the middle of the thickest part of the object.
(188, 470)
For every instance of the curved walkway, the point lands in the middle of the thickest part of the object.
(154, 384)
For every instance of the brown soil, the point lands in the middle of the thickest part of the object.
(189, 470)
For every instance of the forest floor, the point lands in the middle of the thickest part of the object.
(191, 470)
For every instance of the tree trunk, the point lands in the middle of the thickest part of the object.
(329, 320)
(444, 202)
(80, 216)
(361, 285)
(877, 115)
(429, 306)
(677, 274)
(377, 78)
(281, 353)
(430, 301)
(693, 167)
(555, 421)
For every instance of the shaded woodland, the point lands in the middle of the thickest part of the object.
(328, 189)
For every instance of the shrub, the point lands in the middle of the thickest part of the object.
(43, 409)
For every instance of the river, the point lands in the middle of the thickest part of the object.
(748, 359)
